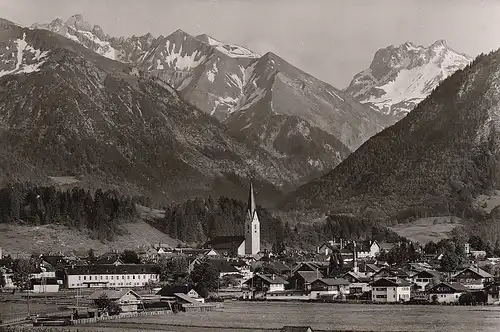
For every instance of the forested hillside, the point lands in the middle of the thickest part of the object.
(101, 213)
(198, 220)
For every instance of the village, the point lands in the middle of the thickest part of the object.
(161, 278)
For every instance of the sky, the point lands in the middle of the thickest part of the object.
(330, 39)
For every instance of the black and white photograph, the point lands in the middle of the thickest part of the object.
(250, 165)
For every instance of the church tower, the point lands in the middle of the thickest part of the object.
(252, 226)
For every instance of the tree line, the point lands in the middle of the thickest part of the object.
(100, 213)
(199, 219)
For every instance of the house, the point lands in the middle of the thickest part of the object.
(493, 293)
(124, 275)
(227, 245)
(445, 292)
(426, 279)
(384, 246)
(473, 278)
(126, 300)
(262, 284)
(303, 279)
(312, 266)
(478, 254)
(44, 285)
(390, 273)
(296, 329)
(330, 247)
(193, 252)
(224, 267)
(170, 291)
(390, 290)
(358, 283)
(329, 288)
(109, 261)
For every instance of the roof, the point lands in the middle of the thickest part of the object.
(477, 271)
(429, 273)
(384, 282)
(296, 329)
(225, 240)
(112, 269)
(372, 267)
(223, 265)
(310, 276)
(333, 281)
(186, 298)
(171, 290)
(458, 287)
(280, 266)
(112, 294)
(268, 279)
(358, 276)
(386, 246)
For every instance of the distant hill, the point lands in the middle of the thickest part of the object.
(432, 162)
(400, 77)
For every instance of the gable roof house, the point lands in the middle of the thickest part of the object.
(390, 273)
(390, 290)
(231, 246)
(127, 300)
(263, 283)
(473, 278)
(302, 280)
(425, 279)
(224, 267)
(171, 292)
(445, 292)
(329, 288)
(358, 283)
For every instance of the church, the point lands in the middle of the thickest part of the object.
(244, 245)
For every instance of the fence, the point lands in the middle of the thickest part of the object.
(12, 321)
(127, 315)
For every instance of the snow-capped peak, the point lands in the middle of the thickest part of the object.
(400, 77)
(80, 31)
(233, 51)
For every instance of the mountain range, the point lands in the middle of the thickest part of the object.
(67, 111)
(292, 115)
(432, 162)
(400, 77)
(182, 115)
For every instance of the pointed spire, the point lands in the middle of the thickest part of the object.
(251, 201)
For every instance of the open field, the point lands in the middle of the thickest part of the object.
(24, 239)
(424, 230)
(487, 202)
(267, 316)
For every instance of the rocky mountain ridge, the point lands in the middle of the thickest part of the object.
(263, 98)
(400, 77)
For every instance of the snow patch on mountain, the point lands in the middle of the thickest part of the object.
(179, 61)
(24, 63)
(233, 51)
(212, 72)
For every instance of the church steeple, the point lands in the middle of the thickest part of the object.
(252, 226)
(251, 201)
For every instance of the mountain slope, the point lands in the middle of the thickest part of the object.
(65, 110)
(401, 77)
(431, 162)
(241, 88)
